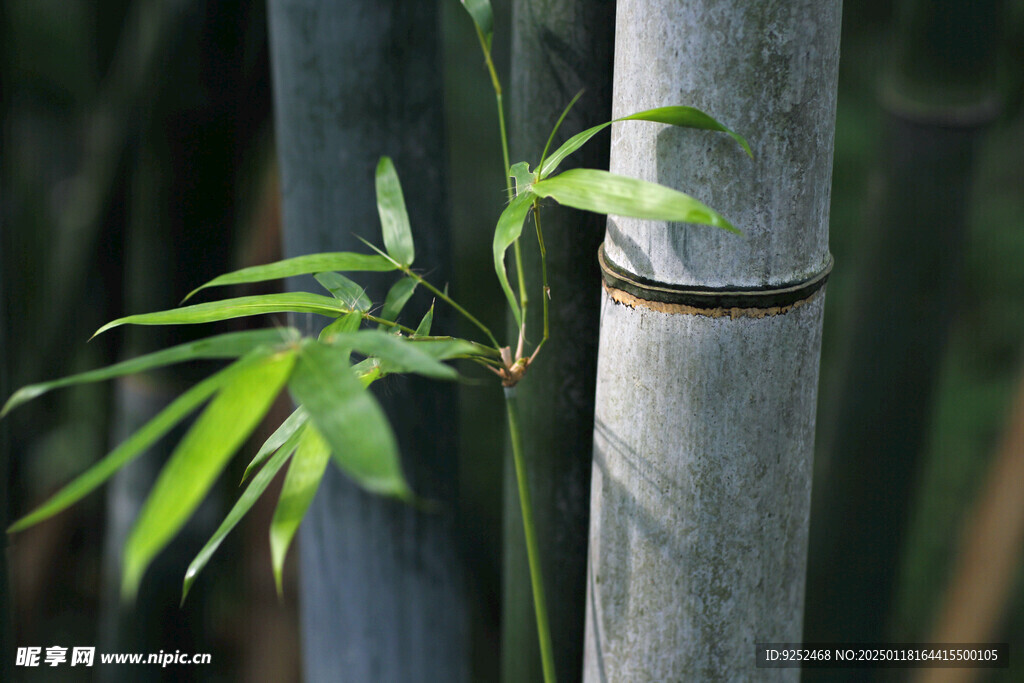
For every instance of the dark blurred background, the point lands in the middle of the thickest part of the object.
(138, 161)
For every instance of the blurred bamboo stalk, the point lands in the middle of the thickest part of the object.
(938, 97)
(188, 144)
(112, 123)
(990, 553)
(382, 591)
(6, 623)
(558, 49)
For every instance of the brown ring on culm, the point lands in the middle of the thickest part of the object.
(769, 298)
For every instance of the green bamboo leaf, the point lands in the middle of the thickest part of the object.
(367, 371)
(394, 220)
(520, 172)
(231, 345)
(298, 302)
(300, 485)
(135, 445)
(300, 265)
(423, 329)
(688, 117)
(349, 322)
(483, 17)
(293, 424)
(199, 458)
(604, 192)
(349, 419)
(397, 354)
(510, 226)
(345, 290)
(398, 295)
(685, 117)
(244, 503)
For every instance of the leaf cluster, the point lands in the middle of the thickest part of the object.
(337, 418)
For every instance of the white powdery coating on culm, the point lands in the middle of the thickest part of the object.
(700, 492)
(768, 72)
(704, 425)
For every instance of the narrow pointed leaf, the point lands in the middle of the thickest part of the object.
(350, 420)
(688, 117)
(347, 323)
(345, 290)
(394, 220)
(397, 296)
(281, 435)
(132, 447)
(558, 124)
(231, 345)
(380, 252)
(510, 226)
(568, 147)
(423, 329)
(244, 503)
(300, 265)
(483, 17)
(300, 485)
(199, 459)
(603, 192)
(397, 354)
(684, 117)
(298, 302)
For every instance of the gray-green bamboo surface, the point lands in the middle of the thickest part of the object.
(704, 424)
(382, 587)
(557, 50)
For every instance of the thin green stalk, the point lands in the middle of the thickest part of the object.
(546, 292)
(504, 138)
(482, 349)
(532, 551)
(444, 297)
(448, 300)
(389, 323)
(496, 83)
(521, 277)
(523, 299)
(479, 360)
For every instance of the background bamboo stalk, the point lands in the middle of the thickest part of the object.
(989, 556)
(557, 50)
(937, 99)
(382, 583)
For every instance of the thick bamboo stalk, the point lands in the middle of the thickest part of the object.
(382, 588)
(558, 49)
(704, 423)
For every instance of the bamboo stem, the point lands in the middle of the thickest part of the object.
(545, 292)
(451, 302)
(496, 83)
(532, 550)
